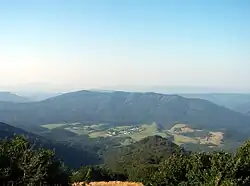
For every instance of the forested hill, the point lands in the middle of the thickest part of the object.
(135, 159)
(71, 155)
(123, 108)
(10, 97)
(239, 102)
(149, 151)
(245, 108)
(154, 161)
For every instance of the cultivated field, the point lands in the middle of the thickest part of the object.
(53, 126)
(180, 133)
(147, 130)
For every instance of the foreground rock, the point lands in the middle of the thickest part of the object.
(111, 183)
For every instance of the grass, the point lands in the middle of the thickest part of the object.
(184, 135)
(180, 139)
(215, 138)
(148, 130)
(98, 134)
(124, 127)
(111, 183)
(53, 126)
(182, 127)
(95, 130)
(101, 130)
(100, 126)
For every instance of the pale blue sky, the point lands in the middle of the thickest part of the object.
(79, 44)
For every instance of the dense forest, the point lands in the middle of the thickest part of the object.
(146, 161)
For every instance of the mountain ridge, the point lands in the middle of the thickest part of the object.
(121, 108)
(239, 102)
(11, 97)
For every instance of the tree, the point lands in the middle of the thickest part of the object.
(205, 169)
(22, 164)
(241, 166)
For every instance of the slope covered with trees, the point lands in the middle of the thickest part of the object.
(150, 150)
(134, 159)
(244, 108)
(10, 97)
(180, 167)
(21, 164)
(121, 108)
(71, 154)
(235, 101)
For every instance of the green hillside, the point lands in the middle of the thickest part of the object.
(71, 154)
(10, 97)
(235, 101)
(121, 108)
(153, 161)
(150, 150)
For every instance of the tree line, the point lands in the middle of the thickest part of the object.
(22, 164)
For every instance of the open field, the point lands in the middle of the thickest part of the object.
(147, 130)
(53, 126)
(184, 134)
(181, 139)
(134, 132)
(181, 128)
(214, 138)
(181, 133)
(98, 134)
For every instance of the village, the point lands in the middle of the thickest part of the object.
(115, 132)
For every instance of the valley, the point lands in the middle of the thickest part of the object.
(106, 120)
(180, 134)
(125, 93)
(125, 136)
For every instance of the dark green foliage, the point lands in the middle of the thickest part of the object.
(141, 163)
(72, 155)
(23, 165)
(205, 169)
(60, 133)
(171, 172)
(142, 157)
(155, 161)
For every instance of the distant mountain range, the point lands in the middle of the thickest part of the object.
(237, 102)
(22, 97)
(119, 108)
(10, 97)
(38, 96)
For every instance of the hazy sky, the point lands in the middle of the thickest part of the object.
(96, 43)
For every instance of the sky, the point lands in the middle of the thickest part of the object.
(82, 44)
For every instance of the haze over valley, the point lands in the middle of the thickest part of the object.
(152, 93)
